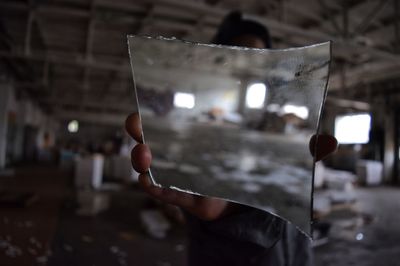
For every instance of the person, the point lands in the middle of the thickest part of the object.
(221, 232)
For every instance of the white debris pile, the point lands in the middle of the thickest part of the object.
(155, 223)
(163, 164)
(10, 249)
(333, 179)
(68, 248)
(290, 178)
(189, 169)
(92, 202)
(369, 173)
(121, 255)
(35, 242)
(251, 187)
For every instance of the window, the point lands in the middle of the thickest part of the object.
(255, 95)
(184, 100)
(352, 129)
(300, 111)
(73, 126)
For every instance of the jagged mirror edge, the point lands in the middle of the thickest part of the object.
(314, 148)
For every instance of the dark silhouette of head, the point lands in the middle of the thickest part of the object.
(234, 30)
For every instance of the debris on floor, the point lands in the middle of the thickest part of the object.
(15, 199)
(155, 223)
(87, 239)
(128, 236)
(92, 203)
(369, 172)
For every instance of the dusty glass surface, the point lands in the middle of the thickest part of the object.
(231, 122)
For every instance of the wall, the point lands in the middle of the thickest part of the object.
(5, 91)
(23, 127)
(90, 134)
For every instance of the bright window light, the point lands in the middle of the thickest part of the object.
(73, 126)
(184, 100)
(300, 111)
(255, 95)
(352, 129)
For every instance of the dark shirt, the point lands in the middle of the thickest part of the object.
(251, 237)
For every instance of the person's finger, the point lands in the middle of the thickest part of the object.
(134, 127)
(141, 158)
(170, 196)
(322, 145)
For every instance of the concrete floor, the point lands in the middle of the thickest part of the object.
(50, 233)
(26, 233)
(116, 237)
(379, 240)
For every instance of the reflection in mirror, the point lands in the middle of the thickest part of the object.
(232, 123)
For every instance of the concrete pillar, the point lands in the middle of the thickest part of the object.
(19, 134)
(244, 82)
(5, 91)
(396, 172)
(389, 146)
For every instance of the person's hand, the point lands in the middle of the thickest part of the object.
(322, 145)
(206, 208)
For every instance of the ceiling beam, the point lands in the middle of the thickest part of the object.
(366, 73)
(355, 13)
(346, 103)
(212, 18)
(146, 20)
(67, 58)
(277, 27)
(370, 18)
(124, 106)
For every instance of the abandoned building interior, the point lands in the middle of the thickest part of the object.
(233, 123)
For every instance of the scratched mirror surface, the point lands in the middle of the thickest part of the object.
(230, 122)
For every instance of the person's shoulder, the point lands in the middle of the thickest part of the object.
(249, 225)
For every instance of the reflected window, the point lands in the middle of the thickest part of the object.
(73, 126)
(299, 111)
(255, 95)
(352, 129)
(184, 100)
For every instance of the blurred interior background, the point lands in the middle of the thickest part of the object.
(68, 195)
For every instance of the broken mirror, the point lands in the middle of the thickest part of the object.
(231, 122)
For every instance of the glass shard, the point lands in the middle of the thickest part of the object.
(230, 122)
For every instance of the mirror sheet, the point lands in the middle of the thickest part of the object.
(230, 122)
